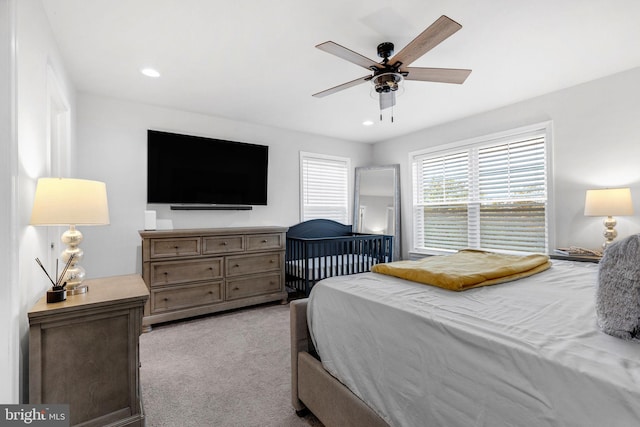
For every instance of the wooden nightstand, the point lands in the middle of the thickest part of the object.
(84, 352)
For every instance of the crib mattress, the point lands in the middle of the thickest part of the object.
(318, 268)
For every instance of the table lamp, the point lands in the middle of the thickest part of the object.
(608, 202)
(66, 201)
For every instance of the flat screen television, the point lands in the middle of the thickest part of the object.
(193, 170)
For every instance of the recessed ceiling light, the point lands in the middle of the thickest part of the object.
(150, 72)
(367, 123)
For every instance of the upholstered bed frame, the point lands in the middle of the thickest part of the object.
(531, 362)
(314, 389)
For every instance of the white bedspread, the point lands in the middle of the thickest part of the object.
(525, 353)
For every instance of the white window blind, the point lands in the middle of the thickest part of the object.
(486, 195)
(324, 187)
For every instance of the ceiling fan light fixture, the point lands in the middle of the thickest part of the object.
(387, 82)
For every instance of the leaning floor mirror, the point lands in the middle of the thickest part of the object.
(376, 207)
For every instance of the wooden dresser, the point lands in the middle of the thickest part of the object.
(84, 352)
(191, 272)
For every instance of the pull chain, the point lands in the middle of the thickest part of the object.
(391, 115)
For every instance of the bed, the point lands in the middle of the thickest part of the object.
(322, 248)
(376, 350)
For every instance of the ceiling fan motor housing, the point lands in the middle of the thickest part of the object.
(385, 50)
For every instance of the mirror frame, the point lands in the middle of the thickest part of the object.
(397, 247)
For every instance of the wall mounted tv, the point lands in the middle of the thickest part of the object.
(192, 172)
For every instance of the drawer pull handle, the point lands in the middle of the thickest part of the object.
(236, 288)
(264, 241)
(211, 268)
(166, 299)
(166, 273)
(271, 261)
(224, 243)
(237, 265)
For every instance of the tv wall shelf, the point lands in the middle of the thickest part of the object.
(190, 207)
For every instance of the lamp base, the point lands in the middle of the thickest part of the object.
(78, 289)
(610, 232)
(73, 274)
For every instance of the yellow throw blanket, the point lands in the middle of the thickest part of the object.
(466, 269)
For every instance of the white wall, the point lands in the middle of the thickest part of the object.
(596, 144)
(112, 146)
(9, 342)
(37, 64)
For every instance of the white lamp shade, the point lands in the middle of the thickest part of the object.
(608, 202)
(66, 201)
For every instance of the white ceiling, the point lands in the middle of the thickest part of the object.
(255, 60)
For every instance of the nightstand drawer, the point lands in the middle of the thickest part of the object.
(167, 299)
(219, 245)
(247, 264)
(168, 248)
(173, 272)
(257, 285)
(265, 241)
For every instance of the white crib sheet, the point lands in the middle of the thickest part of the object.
(332, 265)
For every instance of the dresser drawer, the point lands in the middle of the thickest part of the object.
(247, 264)
(265, 241)
(224, 244)
(167, 248)
(256, 285)
(173, 272)
(175, 298)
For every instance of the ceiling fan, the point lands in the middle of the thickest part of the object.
(388, 74)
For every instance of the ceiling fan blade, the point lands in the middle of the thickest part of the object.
(387, 100)
(342, 87)
(347, 54)
(435, 34)
(440, 75)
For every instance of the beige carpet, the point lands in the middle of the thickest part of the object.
(230, 369)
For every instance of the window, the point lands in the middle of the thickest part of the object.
(324, 187)
(491, 193)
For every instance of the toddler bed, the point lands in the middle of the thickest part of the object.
(377, 350)
(321, 248)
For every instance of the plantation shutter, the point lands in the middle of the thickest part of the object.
(513, 195)
(488, 195)
(443, 185)
(324, 187)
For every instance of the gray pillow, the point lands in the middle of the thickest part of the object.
(618, 293)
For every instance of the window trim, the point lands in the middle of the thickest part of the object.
(490, 139)
(347, 160)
